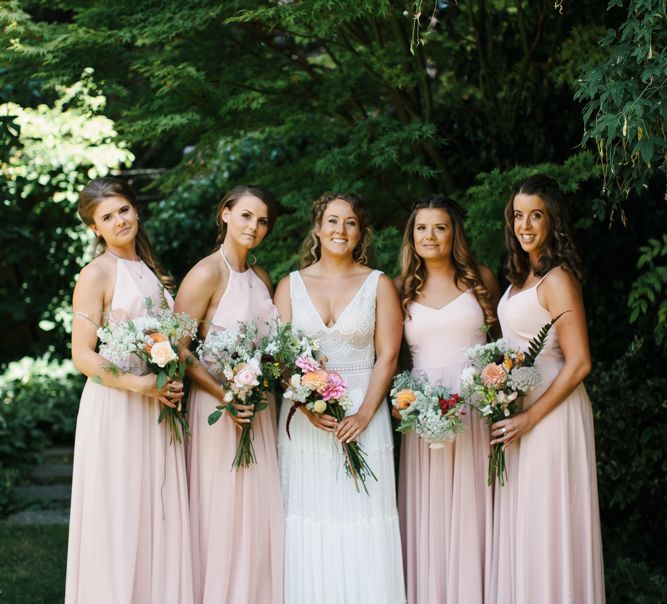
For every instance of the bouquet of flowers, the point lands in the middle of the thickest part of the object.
(310, 385)
(248, 372)
(155, 340)
(431, 410)
(496, 379)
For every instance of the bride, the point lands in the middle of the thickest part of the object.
(342, 546)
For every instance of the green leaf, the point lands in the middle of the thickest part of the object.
(214, 417)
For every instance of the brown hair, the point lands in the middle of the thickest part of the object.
(311, 250)
(466, 270)
(559, 249)
(231, 199)
(101, 188)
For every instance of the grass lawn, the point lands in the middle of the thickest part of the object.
(32, 564)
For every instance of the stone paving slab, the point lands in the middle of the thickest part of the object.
(52, 474)
(49, 492)
(39, 517)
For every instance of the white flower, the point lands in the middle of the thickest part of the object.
(468, 376)
(319, 406)
(295, 380)
(162, 353)
(345, 402)
(229, 397)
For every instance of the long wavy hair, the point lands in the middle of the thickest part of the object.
(466, 269)
(559, 249)
(232, 198)
(93, 194)
(311, 250)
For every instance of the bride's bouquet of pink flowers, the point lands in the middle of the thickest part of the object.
(431, 410)
(155, 340)
(496, 380)
(248, 372)
(323, 392)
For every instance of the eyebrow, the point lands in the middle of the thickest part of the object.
(251, 212)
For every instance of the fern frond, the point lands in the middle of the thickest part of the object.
(536, 345)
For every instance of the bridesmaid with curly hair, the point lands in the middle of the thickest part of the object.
(445, 504)
(547, 546)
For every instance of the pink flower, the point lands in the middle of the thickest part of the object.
(247, 374)
(334, 388)
(494, 375)
(306, 364)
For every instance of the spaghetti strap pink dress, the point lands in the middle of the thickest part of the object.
(547, 544)
(445, 504)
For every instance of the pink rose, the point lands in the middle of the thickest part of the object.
(246, 376)
(494, 375)
(334, 388)
(306, 364)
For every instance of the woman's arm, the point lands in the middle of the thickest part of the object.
(194, 298)
(87, 305)
(559, 293)
(388, 334)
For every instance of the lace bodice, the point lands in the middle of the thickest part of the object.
(350, 342)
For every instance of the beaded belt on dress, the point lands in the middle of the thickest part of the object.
(364, 366)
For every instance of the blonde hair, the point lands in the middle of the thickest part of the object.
(93, 194)
(413, 274)
(311, 250)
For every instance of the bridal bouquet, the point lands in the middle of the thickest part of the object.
(322, 392)
(248, 371)
(431, 410)
(155, 340)
(498, 376)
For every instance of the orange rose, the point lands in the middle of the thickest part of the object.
(154, 338)
(405, 398)
(315, 379)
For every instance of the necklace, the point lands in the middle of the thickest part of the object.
(140, 273)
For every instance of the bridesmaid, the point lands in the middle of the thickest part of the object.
(445, 505)
(129, 536)
(547, 545)
(236, 514)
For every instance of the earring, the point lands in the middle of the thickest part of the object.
(253, 261)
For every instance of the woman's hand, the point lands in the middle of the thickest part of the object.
(352, 426)
(170, 395)
(244, 414)
(396, 413)
(320, 420)
(510, 430)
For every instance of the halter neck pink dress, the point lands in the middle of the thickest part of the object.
(129, 535)
(445, 505)
(236, 514)
(547, 546)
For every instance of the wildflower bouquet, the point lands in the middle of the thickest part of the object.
(322, 392)
(431, 410)
(497, 378)
(237, 358)
(155, 340)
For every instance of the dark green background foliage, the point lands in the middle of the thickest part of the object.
(318, 95)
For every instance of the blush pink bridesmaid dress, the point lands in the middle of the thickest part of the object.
(547, 546)
(444, 503)
(129, 536)
(236, 514)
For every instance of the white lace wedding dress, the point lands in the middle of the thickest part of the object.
(341, 546)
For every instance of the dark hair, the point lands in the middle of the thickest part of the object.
(311, 250)
(559, 249)
(99, 189)
(232, 198)
(467, 272)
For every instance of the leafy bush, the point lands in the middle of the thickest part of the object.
(39, 399)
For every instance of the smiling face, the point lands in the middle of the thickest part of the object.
(531, 224)
(247, 221)
(116, 221)
(433, 233)
(339, 231)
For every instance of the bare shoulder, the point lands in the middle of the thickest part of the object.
(207, 272)
(264, 276)
(98, 272)
(560, 280)
(387, 287)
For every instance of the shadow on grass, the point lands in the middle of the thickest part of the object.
(32, 564)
